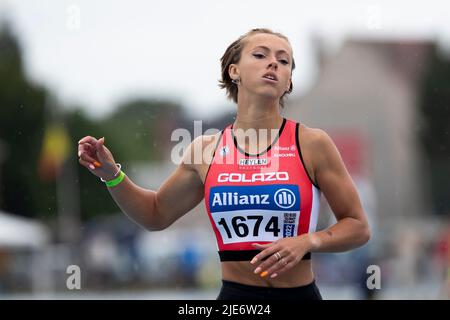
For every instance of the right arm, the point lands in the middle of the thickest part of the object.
(154, 210)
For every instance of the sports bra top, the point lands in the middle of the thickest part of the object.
(259, 198)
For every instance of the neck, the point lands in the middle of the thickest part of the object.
(258, 114)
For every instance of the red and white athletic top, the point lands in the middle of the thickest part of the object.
(261, 197)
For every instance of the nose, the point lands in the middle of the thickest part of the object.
(273, 63)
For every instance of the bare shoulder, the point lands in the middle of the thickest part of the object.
(312, 136)
(315, 137)
(327, 158)
(317, 147)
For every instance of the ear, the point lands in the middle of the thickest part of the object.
(233, 71)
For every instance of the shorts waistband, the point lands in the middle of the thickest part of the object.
(246, 255)
(252, 288)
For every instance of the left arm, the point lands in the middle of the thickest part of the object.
(351, 229)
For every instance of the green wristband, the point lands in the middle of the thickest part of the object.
(116, 181)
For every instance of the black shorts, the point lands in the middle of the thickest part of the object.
(237, 291)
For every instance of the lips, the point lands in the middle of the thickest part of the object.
(271, 77)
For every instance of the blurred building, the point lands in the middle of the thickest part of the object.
(365, 98)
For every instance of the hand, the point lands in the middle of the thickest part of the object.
(96, 157)
(281, 255)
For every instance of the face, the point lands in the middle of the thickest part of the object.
(265, 66)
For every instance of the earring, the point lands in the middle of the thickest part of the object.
(236, 81)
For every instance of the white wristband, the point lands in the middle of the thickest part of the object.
(115, 175)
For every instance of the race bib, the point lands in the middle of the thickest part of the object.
(255, 213)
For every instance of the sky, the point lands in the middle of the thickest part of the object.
(97, 54)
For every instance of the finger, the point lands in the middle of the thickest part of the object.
(88, 139)
(87, 156)
(262, 246)
(278, 265)
(86, 164)
(268, 250)
(101, 149)
(267, 264)
(84, 156)
(86, 147)
(282, 270)
(89, 151)
(99, 146)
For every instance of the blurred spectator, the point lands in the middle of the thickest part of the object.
(102, 257)
(442, 253)
(189, 263)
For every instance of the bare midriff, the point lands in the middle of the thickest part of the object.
(243, 272)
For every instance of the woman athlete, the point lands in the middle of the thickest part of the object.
(261, 195)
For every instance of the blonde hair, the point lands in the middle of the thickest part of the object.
(233, 55)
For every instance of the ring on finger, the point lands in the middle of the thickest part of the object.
(278, 256)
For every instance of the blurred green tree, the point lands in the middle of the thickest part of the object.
(22, 117)
(434, 134)
(141, 128)
(39, 138)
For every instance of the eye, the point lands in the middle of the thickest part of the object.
(283, 61)
(258, 55)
